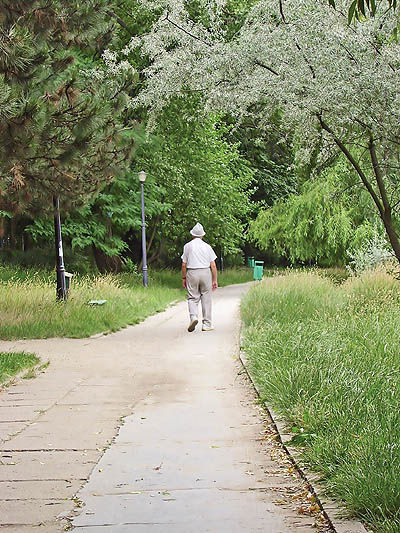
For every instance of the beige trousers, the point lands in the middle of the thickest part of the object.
(199, 287)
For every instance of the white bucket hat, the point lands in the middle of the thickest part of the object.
(197, 230)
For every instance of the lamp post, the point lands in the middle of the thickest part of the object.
(142, 178)
(61, 287)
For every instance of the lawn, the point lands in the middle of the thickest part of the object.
(28, 307)
(327, 358)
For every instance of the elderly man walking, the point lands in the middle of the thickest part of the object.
(199, 277)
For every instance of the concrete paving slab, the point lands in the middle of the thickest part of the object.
(32, 489)
(78, 414)
(32, 512)
(193, 455)
(208, 425)
(188, 510)
(105, 394)
(174, 528)
(43, 465)
(17, 413)
(11, 428)
(160, 469)
(63, 434)
(20, 394)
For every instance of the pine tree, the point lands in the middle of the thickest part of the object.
(60, 130)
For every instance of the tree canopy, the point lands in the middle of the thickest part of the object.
(194, 174)
(334, 83)
(60, 127)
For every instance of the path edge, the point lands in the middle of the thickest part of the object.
(332, 511)
(20, 376)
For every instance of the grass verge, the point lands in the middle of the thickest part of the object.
(327, 358)
(11, 363)
(28, 308)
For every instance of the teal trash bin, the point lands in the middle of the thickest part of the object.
(258, 270)
(250, 262)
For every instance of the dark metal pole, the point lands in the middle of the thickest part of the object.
(144, 252)
(61, 289)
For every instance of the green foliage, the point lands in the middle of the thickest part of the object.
(373, 252)
(193, 175)
(204, 178)
(270, 153)
(326, 357)
(360, 9)
(230, 276)
(307, 227)
(105, 220)
(43, 258)
(320, 224)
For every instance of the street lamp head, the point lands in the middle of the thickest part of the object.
(142, 176)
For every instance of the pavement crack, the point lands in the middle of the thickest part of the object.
(41, 479)
(183, 489)
(36, 450)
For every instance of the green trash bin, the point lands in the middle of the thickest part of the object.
(258, 270)
(250, 262)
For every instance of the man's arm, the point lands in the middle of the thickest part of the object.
(213, 267)
(184, 275)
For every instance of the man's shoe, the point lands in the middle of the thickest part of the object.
(207, 328)
(193, 324)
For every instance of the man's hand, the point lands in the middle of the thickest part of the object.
(214, 275)
(184, 275)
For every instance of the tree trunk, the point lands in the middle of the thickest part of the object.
(3, 232)
(157, 254)
(391, 233)
(27, 241)
(381, 200)
(2, 227)
(13, 233)
(106, 263)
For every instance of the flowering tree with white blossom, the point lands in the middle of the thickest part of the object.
(335, 84)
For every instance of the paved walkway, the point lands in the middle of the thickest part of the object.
(192, 454)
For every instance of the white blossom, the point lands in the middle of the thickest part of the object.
(114, 66)
(313, 63)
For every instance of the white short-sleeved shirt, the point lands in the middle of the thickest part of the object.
(198, 254)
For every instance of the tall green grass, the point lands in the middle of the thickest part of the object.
(13, 362)
(327, 358)
(28, 307)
